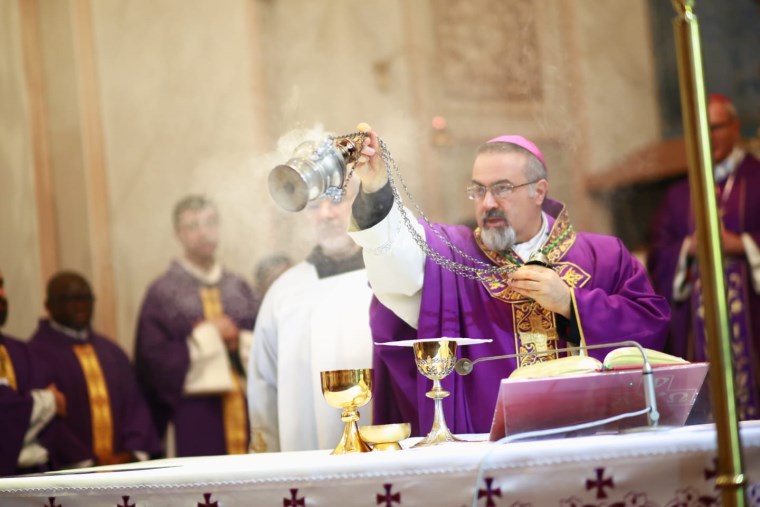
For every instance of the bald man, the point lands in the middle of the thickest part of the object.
(672, 258)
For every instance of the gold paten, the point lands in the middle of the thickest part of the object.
(348, 390)
(435, 359)
(385, 437)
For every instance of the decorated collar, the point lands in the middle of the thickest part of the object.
(561, 238)
(210, 277)
(81, 336)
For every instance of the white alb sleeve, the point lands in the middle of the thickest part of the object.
(262, 381)
(681, 286)
(395, 263)
(753, 258)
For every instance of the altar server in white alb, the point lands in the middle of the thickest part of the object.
(315, 317)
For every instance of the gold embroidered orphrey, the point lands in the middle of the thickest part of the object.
(535, 328)
(233, 402)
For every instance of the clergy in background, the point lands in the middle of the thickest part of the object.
(315, 317)
(105, 410)
(25, 411)
(672, 259)
(195, 320)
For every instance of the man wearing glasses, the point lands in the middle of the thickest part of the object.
(560, 287)
(672, 258)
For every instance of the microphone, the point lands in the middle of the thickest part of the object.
(464, 366)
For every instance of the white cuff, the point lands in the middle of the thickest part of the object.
(43, 410)
(753, 258)
(379, 239)
(209, 370)
(32, 454)
(246, 344)
(681, 287)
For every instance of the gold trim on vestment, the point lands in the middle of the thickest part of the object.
(534, 327)
(535, 331)
(6, 368)
(258, 443)
(233, 402)
(583, 351)
(235, 420)
(100, 405)
(211, 300)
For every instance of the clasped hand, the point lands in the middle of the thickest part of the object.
(228, 330)
(544, 286)
(731, 242)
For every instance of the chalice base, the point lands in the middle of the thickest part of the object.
(351, 441)
(386, 446)
(438, 436)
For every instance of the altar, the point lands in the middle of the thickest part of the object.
(660, 468)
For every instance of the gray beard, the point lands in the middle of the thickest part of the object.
(498, 238)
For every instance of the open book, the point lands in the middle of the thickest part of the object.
(575, 390)
(620, 358)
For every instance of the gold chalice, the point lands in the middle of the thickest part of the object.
(348, 390)
(435, 359)
(385, 437)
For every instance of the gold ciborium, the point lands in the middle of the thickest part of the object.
(385, 437)
(435, 359)
(348, 390)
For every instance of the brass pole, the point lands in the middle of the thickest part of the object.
(730, 480)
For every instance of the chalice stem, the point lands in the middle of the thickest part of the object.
(351, 441)
(440, 432)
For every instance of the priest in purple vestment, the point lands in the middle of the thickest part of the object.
(26, 410)
(105, 410)
(194, 329)
(590, 290)
(672, 261)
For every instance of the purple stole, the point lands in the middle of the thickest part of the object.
(737, 276)
(233, 402)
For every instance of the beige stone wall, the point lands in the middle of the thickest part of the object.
(19, 244)
(194, 95)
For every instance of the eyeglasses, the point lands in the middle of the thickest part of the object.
(75, 298)
(718, 126)
(499, 190)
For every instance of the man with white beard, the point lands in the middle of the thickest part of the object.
(563, 287)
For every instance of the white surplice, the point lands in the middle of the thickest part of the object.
(306, 325)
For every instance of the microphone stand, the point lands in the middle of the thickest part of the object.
(464, 366)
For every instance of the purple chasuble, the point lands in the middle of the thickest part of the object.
(171, 309)
(132, 426)
(613, 301)
(674, 221)
(15, 405)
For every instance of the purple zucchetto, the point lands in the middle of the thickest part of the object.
(522, 143)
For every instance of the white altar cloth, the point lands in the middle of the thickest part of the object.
(668, 468)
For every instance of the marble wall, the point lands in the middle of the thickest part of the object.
(201, 96)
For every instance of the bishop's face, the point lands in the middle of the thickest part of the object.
(511, 218)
